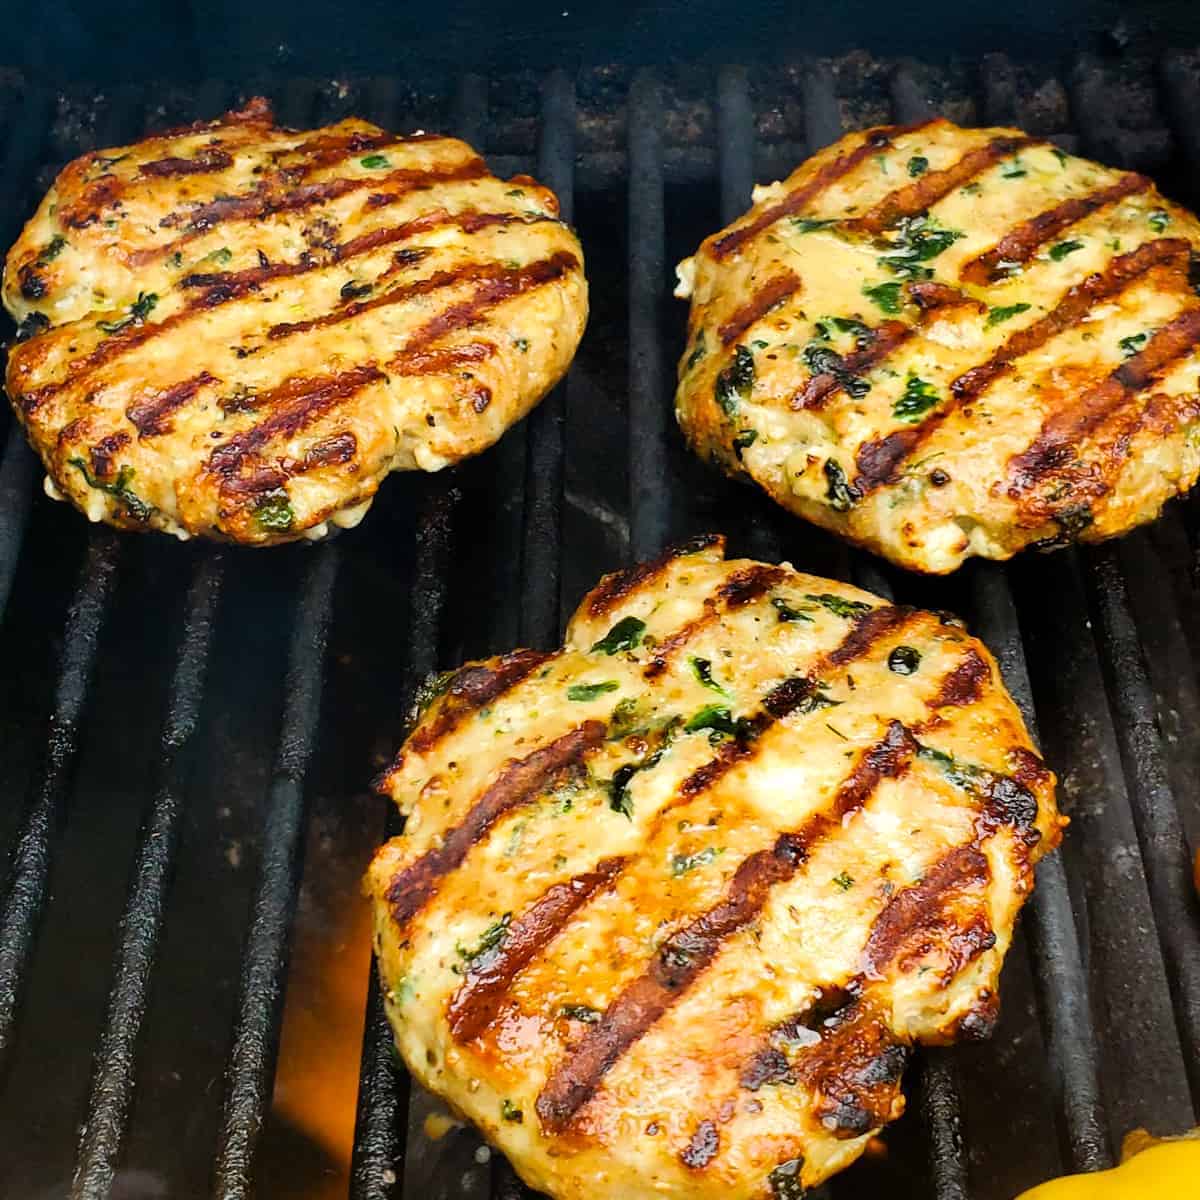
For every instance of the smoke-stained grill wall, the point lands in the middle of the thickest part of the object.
(172, 726)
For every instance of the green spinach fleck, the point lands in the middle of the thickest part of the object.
(521, 344)
(735, 382)
(699, 350)
(626, 634)
(716, 717)
(1132, 344)
(919, 397)
(839, 605)
(581, 1012)
(1013, 169)
(274, 512)
(743, 440)
(1060, 250)
(52, 249)
(844, 880)
(787, 612)
(918, 239)
(811, 224)
(702, 669)
(821, 360)
(374, 162)
(139, 310)
(1159, 219)
(590, 691)
(492, 938)
(785, 1181)
(885, 295)
(838, 492)
(918, 165)
(1061, 155)
(119, 489)
(510, 1112)
(681, 864)
(1004, 312)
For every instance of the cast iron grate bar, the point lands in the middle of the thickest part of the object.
(30, 866)
(542, 542)
(1131, 699)
(26, 137)
(648, 401)
(380, 1145)
(251, 1064)
(114, 1071)
(1054, 945)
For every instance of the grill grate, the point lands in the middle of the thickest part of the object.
(1102, 1017)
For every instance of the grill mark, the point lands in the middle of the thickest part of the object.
(327, 149)
(878, 459)
(929, 295)
(687, 952)
(203, 162)
(772, 293)
(472, 688)
(230, 285)
(877, 140)
(518, 783)
(103, 452)
(933, 186)
(620, 585)
(1055, 443)
(293, 404)
(964, 685)
(150, 414)
(868, 629)
(267, 203)
(331, 452)
(703, 1147)
(921, 905)
(1023, 241)
(477, 1001)
(818, 388)
(498, 283)
(441, 360)
(741, 588)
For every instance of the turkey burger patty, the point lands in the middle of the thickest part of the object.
(237, 330)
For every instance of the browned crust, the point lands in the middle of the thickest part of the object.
(703, 1147)
(933, 186)
(772, 293)
(1023, 241)
(817, 389)
(203, 162)
(868, 629)
(877, 460)
(1056, 442)
(964, 685)
(520, 781)
(924, 905)
(621, 585)
(269, 202)
(478, 999)
(471, 689)
(876, 141)
(686, 953)
(930, 295)
(151, 413)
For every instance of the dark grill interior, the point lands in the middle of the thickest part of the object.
(187, 738)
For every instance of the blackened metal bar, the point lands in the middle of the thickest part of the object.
(251, 1066)
(649, 404)
(542, 542)
(1061, 980)
(1155, 812)
(18, 468)
(29, 870)
(377, 1164)
(113, 1075)
(735, 141)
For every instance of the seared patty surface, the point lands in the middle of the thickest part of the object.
(943, 342)
(673, 902)
(237, 330)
